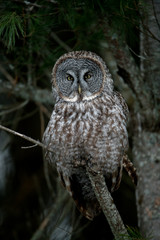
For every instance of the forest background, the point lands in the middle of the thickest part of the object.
(33, 35)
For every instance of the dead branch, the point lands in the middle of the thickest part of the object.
(38, 143)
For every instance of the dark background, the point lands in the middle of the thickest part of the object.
(32, 36)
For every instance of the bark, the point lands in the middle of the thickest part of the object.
(146, 153)
(6, 172)
(6, 164)
(106, 202)
(145, 85)
(146, 142)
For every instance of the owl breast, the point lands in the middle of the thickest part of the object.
(89, 133)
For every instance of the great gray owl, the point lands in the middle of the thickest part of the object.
(87, 127)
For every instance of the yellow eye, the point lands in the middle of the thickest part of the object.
(87, 76)
(69, 77)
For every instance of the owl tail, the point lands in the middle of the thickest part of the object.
(131, 170)
(89, 208)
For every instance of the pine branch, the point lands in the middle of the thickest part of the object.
(11, 27)
(106, 202)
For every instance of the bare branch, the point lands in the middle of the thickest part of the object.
(60, 42)
(38, 143)
(39, 232)
(32, 146)
(12, 109)
(29, 3)
(106, 202)
(7, 75)
(27, 92)
(155, 14)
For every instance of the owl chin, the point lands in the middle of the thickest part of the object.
(89, 96)
(73, 97)
(76, 97)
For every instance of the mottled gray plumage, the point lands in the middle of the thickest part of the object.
(87, 127)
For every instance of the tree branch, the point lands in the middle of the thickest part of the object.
(7, 75)
(38, 143)
(60, 42)
(106, 202)
(27, 92)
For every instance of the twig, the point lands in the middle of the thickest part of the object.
(60, 42)
(21, 105)
(29, 3)
(40, 107)
(106, 202)
(35, 145)
(137, 55)
(39, 232)
(51, 218)
(45, 110)
(38, 143)
(7, 75)
(155, 14)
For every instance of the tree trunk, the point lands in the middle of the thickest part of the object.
(146, 141)
(147, 157)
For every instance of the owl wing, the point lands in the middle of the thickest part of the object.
(131, 170)
(116, 178)
(127, 164)
(121, 102)
(123, 115)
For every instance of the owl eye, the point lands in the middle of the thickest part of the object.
(87, 76)
(69, 77)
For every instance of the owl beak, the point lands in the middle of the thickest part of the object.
(79, 89)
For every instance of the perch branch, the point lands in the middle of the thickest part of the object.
(106, 202)
(101, 192)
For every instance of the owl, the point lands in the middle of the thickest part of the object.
(87, 128)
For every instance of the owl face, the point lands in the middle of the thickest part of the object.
(77, 76)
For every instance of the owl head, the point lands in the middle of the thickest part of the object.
(80, 76)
